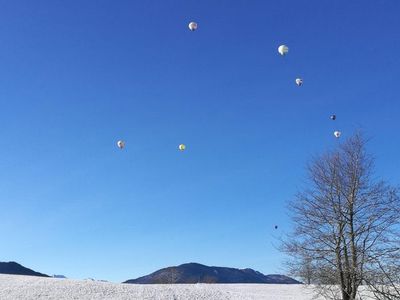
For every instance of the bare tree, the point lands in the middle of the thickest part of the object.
(346, 225)
(173, 273)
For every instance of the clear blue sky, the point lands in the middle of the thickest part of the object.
(76, 76)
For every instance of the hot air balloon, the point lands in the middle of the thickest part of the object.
(283, 50)
(299, 81)
(121, 144)
(276, 226)
(333, 117)
(337, 134)
(182, 147)
(192, 26)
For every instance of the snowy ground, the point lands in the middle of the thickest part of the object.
(14, 287)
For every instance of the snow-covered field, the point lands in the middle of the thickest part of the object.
(13, 287)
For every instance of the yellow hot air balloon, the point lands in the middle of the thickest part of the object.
(182, 147)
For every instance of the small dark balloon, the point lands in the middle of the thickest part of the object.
(333, 117)
(276, 227)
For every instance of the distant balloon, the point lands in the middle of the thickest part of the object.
(333, 117)
(276, 226)
(182, 147)
(192, 26)
(337, 134)
(121, 144)
(283, 50)
(299, 81)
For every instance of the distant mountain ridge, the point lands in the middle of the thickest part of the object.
(198, 273)
(13, 268)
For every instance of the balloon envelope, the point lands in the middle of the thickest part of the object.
(182, 147)
(337, 134)
(299, 81)
(283, 49)
(121, 144)
(192, 26)
(333, 117)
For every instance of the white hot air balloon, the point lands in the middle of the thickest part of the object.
(337, 134)
(283, 50)
(192, 26)
(182, 147)
(299, 81)
(121, 144)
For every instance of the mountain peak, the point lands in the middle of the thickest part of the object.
(196, 273)
(14, 268)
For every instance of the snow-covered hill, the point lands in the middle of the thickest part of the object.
(14, 287)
